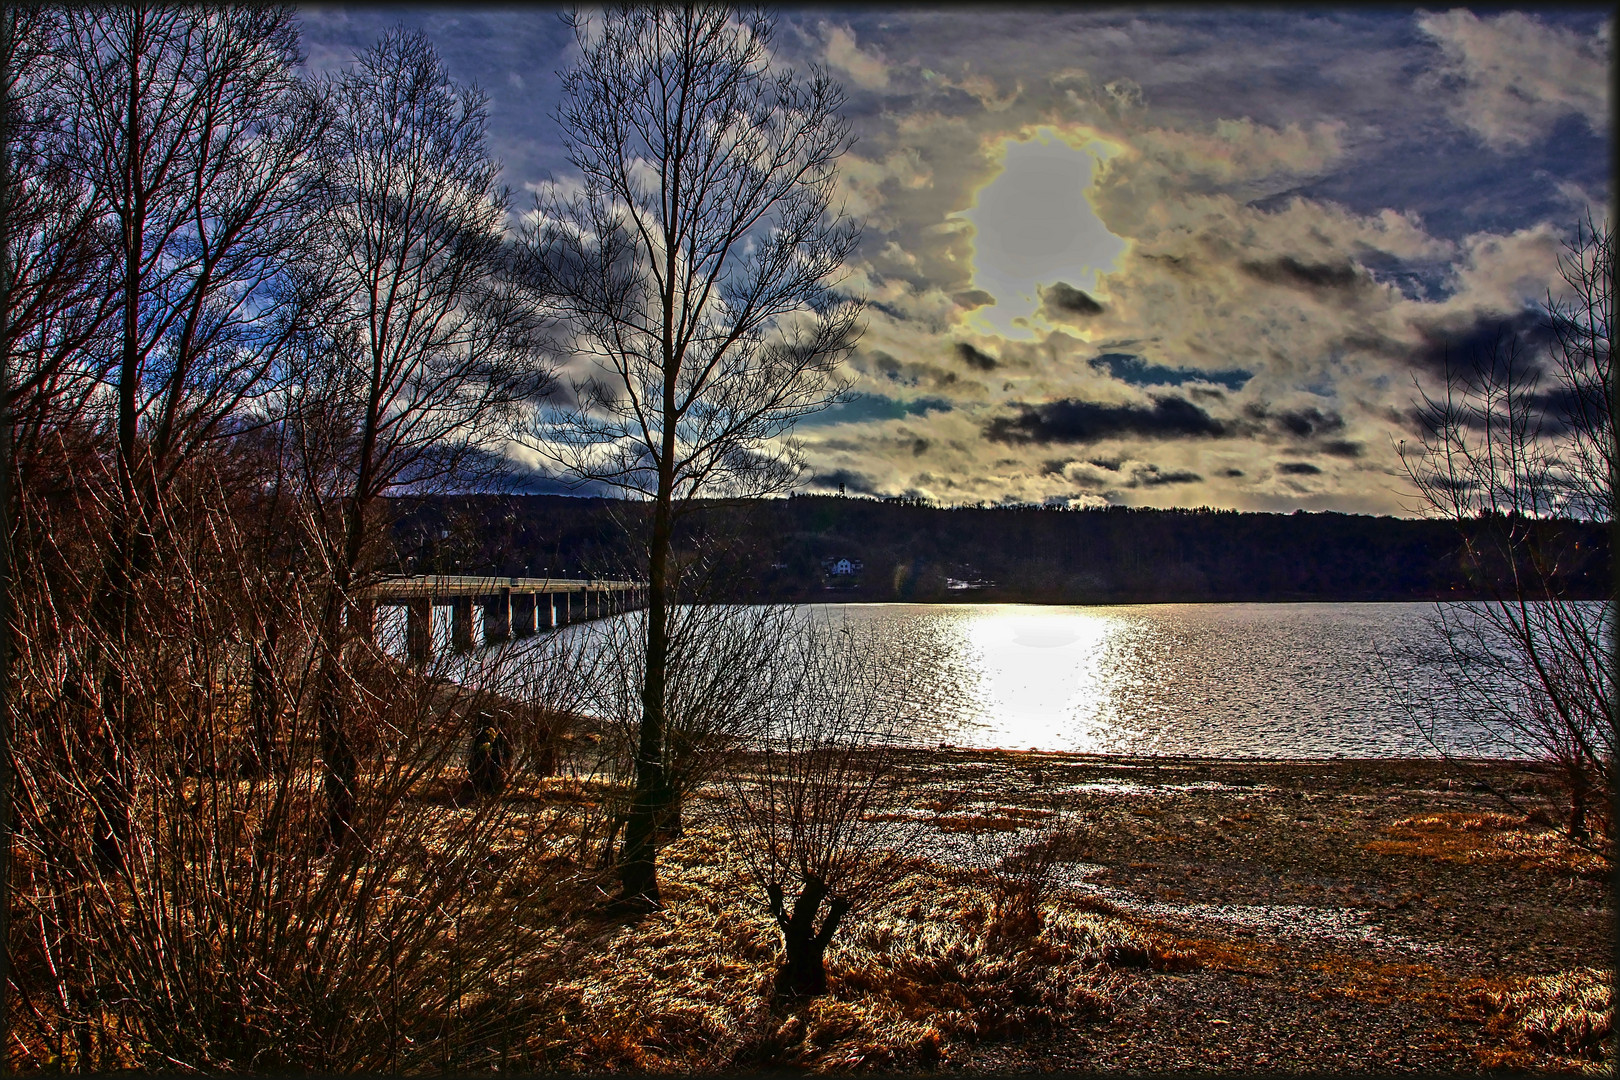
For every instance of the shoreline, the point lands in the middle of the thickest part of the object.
(1317, 917)
(1348, 914)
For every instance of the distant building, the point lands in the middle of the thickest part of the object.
(842, 567)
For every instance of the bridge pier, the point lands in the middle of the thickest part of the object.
(461, 623)
(419, 629)
(497, 617)
(524, 609)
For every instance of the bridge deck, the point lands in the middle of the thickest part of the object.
(453, 585)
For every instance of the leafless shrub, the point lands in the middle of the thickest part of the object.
(816, 810)
(914, 982)
(223, 939)
(1516, 439)
(1025, 868)
(725, 664)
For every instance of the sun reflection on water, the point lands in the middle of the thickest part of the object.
(1229, 680)
(1042, 674)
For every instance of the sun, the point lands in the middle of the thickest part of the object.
(1034, 225)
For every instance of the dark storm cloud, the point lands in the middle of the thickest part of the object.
(1071, 421)
(973, 298)
(1345, 448)
(1291, 272)
(1298, 468)
(1064, 299)
(1459, 484)
(848, 479)
(1150, 476)
(1231, 472)
(1138, 372)
(1499, 349)
(1301, 423)
(864, 407)
(908, 373)
(977, 359)
(1482, 344)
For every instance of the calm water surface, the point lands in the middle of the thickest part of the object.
(1230, 680)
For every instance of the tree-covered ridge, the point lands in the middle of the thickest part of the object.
(776, 550)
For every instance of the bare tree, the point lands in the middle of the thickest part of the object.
(817, 810)
(434, 344)
(697, 267)
(726, 667)
(59, 295)
(1516, 442)
(192, 133)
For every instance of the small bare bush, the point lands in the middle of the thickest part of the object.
(816, 809)
(722, 679)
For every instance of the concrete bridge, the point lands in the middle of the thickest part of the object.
(511, 606)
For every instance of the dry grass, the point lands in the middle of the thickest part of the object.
(912, 986)
(1487, 837)
(1569, 1014)
(996, 819)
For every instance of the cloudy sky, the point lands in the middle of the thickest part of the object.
(1153, 258)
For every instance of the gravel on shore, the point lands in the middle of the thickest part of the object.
(1349, 915)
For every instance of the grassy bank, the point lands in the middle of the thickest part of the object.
(1244, 916)
(1210, 915)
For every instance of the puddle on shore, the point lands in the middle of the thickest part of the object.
(1273, 921)
(982, 850)
(1270, 920)
(1132, 787)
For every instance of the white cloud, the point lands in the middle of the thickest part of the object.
(866, 70)
(1520, 75)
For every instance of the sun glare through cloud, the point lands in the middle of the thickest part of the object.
(1034, 225)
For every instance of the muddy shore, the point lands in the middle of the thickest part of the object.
(1207, 916)
(1349, 914)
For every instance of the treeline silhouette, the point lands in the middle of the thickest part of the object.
(779, 550)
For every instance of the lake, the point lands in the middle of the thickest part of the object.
(1224, 680)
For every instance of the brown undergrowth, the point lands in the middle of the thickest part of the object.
(1453, 836)
(912, 986)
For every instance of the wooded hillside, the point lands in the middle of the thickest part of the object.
(778, 550)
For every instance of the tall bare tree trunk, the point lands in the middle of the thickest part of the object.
(8, 42)
(694, 147)
(638, 875)
(337, 750)
(117, 604)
